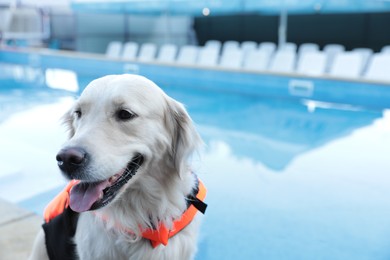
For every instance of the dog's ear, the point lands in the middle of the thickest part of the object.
(185, 139)
(67, 121)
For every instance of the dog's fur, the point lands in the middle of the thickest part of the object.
(164, 134)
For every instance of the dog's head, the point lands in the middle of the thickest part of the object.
(120, 127)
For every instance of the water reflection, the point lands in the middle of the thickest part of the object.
(330, 202)
(270, 131)
(31, 134)
(10, 73)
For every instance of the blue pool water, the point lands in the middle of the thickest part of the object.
(286, 178)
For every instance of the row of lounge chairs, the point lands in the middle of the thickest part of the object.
(307, 59)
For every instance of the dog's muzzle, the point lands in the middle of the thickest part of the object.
(91, 195)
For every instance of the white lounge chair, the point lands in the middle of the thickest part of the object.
(167, 53)
(347, 65)
(257, 60)
(288, 46)
(147, 52)
(130, 50)
(232, 58)
(379, 67)
(114, 49)
(283, 61)
(385, 49)
(248, 46)
(308, 47)
(331, 50)
(208, 57)
(213, 44)
(366, 54)
(188, 55)
(311, 63)
(230, 45)
(269, 47)
(334, 47)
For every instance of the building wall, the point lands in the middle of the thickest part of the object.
(93, 32)
(352, 30)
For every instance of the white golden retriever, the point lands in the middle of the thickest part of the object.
(129, 146)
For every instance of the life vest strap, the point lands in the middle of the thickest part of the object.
(162, 234)
(157, 236)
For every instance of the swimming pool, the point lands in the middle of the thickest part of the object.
(288, 178)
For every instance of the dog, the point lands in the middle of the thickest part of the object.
(129, 146)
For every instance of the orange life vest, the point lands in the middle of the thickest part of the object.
(155, 236)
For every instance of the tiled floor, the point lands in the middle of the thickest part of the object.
(18, 228)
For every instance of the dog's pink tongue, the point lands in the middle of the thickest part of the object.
(83, 195)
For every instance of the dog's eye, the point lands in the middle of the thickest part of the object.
(124, 115)
(77, 113)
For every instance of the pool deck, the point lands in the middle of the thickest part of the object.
(18, 228)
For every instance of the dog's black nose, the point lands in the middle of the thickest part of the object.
(71, 159)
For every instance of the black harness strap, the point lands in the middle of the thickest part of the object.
(59, 233)
(192, 199)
